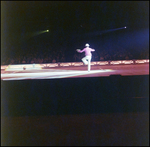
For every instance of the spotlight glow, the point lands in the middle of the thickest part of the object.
(47, 30)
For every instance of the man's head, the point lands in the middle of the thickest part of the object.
(87, 45)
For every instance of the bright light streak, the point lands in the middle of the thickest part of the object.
(21, 66)
(32, 34)
(50, 75)
(4, 66)
(141, 61)
(65, 64)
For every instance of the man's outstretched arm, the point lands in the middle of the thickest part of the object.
(80, 51)
(92, 49)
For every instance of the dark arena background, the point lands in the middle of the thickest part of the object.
(48, 97)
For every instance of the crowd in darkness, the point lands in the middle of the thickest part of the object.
(74, 23)
(56, 56)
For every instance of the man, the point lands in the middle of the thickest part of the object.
(87, 59)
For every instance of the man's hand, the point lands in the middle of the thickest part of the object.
(77, 50)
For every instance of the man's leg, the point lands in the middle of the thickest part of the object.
(89, 63)
(84, 60)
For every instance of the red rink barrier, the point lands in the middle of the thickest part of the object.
(67, 64)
